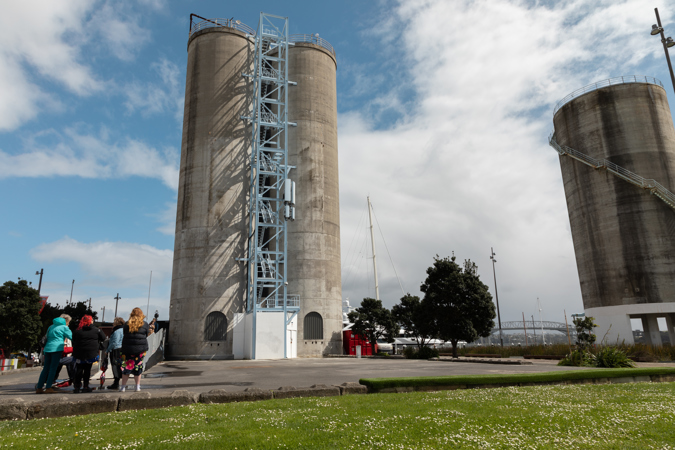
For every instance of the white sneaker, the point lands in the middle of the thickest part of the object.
(138, 387)
(123, 388)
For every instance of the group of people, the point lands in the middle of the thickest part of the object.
(126, 349)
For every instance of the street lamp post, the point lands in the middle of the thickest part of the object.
(667, 42)
(499, 317)
(71, 292)
(117, 300)
(40, 285)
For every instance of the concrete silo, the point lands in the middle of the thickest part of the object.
(617, 145)
(314, 237)
(256, 274)
(211, 224)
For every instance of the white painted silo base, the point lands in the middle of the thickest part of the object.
(618, 318)
(269, 336)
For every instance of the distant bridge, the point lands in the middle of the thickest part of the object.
(530, 325)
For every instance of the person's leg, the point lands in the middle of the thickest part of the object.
(125, 377)
(53, 365)
(58, 371)
(45, 372)
(137, 380)
(79, 369)
(86, 374)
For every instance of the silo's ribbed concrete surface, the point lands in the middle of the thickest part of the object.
(211, 223)
(314, 237)
(623, 236)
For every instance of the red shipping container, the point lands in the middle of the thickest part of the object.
(350, 341)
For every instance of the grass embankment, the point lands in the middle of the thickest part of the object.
(377, 384)
(639, 416)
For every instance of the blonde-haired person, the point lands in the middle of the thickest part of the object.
(134, 347)
(115, 351)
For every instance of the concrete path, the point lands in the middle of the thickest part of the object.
(203, 376)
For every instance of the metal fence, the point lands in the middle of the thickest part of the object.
(214, 23)
(604, 83)
(237, 25)
(312, 39)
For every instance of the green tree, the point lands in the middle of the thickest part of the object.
(462, 308)
(75, 310)
(373, 321)
(585, 336)
(415, 317)
(20, 324)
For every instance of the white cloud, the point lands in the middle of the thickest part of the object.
(120, 263)
(167, 218)
(153, 97)
(108, 268)
(48, 40)
(89, 156)
(467, 165)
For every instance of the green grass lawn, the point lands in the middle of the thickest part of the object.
(639, 416)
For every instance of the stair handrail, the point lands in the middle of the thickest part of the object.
(651, 185)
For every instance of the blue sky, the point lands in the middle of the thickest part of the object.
(444, 108)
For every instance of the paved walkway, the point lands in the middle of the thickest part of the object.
(203, 376)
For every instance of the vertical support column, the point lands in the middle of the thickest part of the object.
(651, 327)
(670, 322)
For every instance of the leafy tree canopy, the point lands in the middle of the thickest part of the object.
(461, 304)
(76, 310)
(20, 324)
(415, 317)
(374, 321)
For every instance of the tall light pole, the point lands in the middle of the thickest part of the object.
(71, 292)
(667, 42)
(117, 300)
(40, 285)
(499, 317)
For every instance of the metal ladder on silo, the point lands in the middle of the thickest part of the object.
(650, 185)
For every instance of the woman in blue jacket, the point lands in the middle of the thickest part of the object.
(56, 335)
(115, 350)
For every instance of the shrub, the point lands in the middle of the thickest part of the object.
(424, 353)
(410, 352)
(578, 358)
(612, 357)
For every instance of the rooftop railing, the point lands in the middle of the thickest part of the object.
(312, 39)
(604, 83)
(214, 23)
(237, 25)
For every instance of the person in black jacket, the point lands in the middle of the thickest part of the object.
(86, 343)
(134, 347)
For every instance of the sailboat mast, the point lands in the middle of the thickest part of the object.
(372, 243)
(541, 322)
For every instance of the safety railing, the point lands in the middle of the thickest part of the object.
(292, 301)
(312, 39)
(237, 25)
(651, 185)
(213, 23)
(604, 83)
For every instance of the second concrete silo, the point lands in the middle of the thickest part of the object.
(624, 237)
(314, 237)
